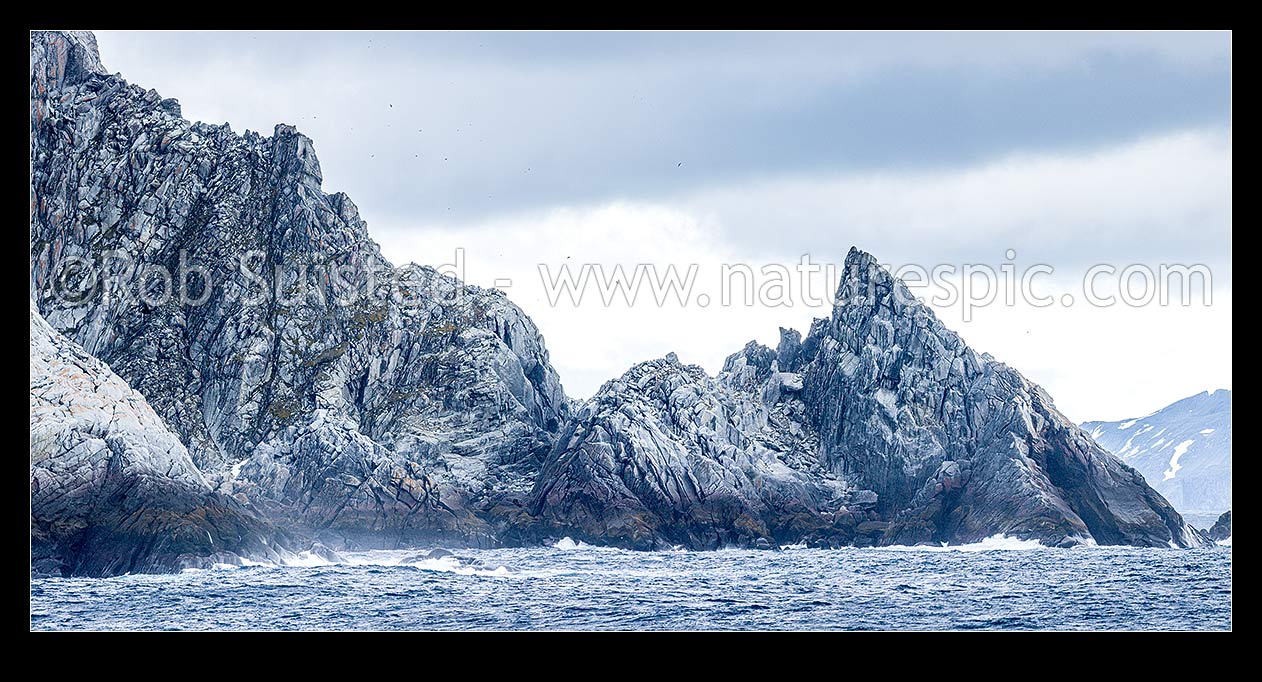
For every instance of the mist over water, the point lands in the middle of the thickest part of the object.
(992, 585)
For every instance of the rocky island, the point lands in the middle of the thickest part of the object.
(271, 413)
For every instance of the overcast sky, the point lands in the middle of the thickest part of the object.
(1071, 149)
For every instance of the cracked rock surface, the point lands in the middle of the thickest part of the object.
(407, 407)
(880, 427)
(112, 489)
(305, 383)
(666, 455)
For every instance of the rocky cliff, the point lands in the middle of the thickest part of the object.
(1221, 530)
(666, 455)
(262, 365)
(112, 489)
(881, 426)
(306, 375)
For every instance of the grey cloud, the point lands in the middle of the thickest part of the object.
(457, 127)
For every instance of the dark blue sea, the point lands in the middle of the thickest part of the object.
(994, 585)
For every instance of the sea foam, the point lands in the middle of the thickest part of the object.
(991, 544)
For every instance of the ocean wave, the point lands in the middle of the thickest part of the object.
(568, 543)
(548, 589)
(409, 559)
(307, 559)
(450, 564)
(991, 544)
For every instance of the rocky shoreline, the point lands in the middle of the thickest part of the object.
(250, 427)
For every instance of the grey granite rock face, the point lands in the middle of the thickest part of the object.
(880, 403)
(666, 455)
(305, 378)
(1221, 530)
(957, 445)
(292, 378)
(112, 489)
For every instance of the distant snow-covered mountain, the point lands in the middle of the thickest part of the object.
(1183, 450)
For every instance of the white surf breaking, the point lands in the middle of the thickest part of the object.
(569, 543)
(409, 558)
(994, 543)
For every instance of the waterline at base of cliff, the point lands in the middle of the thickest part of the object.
(994, 585)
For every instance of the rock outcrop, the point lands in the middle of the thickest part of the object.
(112, 489)
(666, 455)
(882, 425)
(306, 375)
(261, 364)
(1221, 530)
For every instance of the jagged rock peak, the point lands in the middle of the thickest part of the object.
(918, 437)
(62, 58)
(435, 398)
(295, 155)
(442, 417)
(868, 291)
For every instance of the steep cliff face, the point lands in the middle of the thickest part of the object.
(1221, 530)
(957, 445)
(909, 435)
(112, 489)
(285, 368)
(305, 374)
